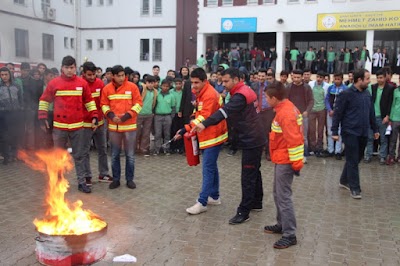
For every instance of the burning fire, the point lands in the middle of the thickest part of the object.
(62, 217)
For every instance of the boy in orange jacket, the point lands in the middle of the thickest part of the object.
(286, 149)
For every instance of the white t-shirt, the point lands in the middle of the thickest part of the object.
(377, 60)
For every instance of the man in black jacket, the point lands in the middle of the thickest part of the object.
(187, 102)
(242, 111)
(382, 98)
(321, 59)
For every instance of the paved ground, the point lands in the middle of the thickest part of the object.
(150, 222)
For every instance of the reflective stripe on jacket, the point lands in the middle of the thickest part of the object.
(95, 89)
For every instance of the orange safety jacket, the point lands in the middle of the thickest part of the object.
(70, 97)
(95, 88)
(208, 101)
(121, 100)
(286, 142)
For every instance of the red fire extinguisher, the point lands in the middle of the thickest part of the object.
(191, 148)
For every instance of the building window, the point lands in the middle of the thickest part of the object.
(144, 49)
(100, 44)
(110, 2)
(48, 46)
(212, 2)
(145, 8)
(45, 5)
(110, 44)
(293, 1)
(66, 43)
(227, 2)
(89, 45)
(269, 2)
(311, 1)
(101, 2)
(72, 42)
(21, 43)
(157, 7)
(19, 2)
(157, 49)
(252, 2)
(338, 1)
(89, 2)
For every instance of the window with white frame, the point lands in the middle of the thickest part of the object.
(89, 2)
(100, 44)
(311, 1)
(45, 5)
(269, 2)
(212, 2)
(48, 46)
(66, 43)
(252, 2)
(157, 49)
(89, 45)
(157, 7)
(110, 44)
(100, 3)
(293, 1)
(145, 9)
(72, 43)
(227, 2)
(144, 49)
(21, 43)
(110, 2)
(19, 2)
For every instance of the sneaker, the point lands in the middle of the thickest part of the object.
(355, 194)
(84, 188)
(131, 184)
(196, 209)
(345, 186)
(382, 161)
(105, 179)
(114, 184)
(285, 242)
(156, 153)
(273, 229)
(304, 160)
(338, 156)
(367, 160)
(389, 160)
(88, 181)
(211, 201)
(231, 152)
(239, 218)
(146, 154)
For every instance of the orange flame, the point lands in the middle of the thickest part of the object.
(62, 218)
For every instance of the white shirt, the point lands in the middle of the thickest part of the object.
(377, 60)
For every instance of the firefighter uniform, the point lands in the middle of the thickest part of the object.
(70, 96)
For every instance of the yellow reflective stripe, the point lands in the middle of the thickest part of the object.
(221, 101)
(68, 126)
(136, 108)
(296, 149)
(69, 93)
(297, 157)
(95, 94)
(276, 129)
(296, 153)
(300, 120)
(195, 122)
(105, 108)
(100, 123)
(43, 106)
(91, 106)
(200, 118)
(122, 127)
(209, 142)
(120, 97)
(200, 107)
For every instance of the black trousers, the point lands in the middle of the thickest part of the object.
(267, 117)
(252, 188)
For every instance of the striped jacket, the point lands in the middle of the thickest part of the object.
(95, 89)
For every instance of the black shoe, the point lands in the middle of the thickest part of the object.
(131, 184)
(273, 229)
(88, 181)
(239, 218)
(285, 242)
(338, 156)
(231, 152)
(5, 161)
(355, 194)
(317, 153)
(345, 186)
(84, 188)
(114, 184)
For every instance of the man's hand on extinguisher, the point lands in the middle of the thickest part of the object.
(179, 134)
(198, 128)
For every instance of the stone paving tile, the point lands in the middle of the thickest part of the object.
(150, 222)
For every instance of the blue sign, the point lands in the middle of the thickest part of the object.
(238, 24)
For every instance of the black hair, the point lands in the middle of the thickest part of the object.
(136, 73)
(306, 70)
(48, 71)
(98, 68)
(156, 66)
(150, 78)
(387, 70)
(128, 71)
(10, 63)
(68, 61)
(199, 73)
(55, 71)
(270, 75)
(89, 66)
(351, 72)
(338, 74)
(41, 64)
(380, 72)
(115, 70)
(359, 74)
(232, 72)
(25, 65)
(284, 73)
(297, 72)
(243, 75)
(34, 71)
(321, 73)
(273, 70)
(157, 78)
(178, 80)
(263, 70)
(277, 90)
(5, 69)
(108, 69)
(166, 81)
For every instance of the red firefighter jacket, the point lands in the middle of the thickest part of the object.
(208, 101)
(286, 142)
(70, 97)
(124, 99)
(95, 88)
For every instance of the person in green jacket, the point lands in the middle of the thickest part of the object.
(177, 121)
(331, 60)
(346, 61)
(309, 57)
(395, 125)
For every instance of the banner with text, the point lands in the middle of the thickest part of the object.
(383, 20)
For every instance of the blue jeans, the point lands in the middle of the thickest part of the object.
(129, 141)
(210, 185)
(330, 67)
(383, 148)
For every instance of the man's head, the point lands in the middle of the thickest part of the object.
(310, 48)
(331, 49)
(48, 76)
(275, 93)
(198, 77)
(327, 78)
(165, 85)
(11, 67)
(5, 75)
(68, 66)
(270, 78)
(99, 72)
(297, 76)
(118, 74)
(381, 77)
(338, 79)
(322, 48)
(178, 84)
(213, 77)
(356, 48)
(364, 47)
(262, 75)
(320, 77)
(219, 76)
(230, 78)
(136, 77)
(109, 74)
(284, 76)
(150, 81)
(156, 70)
(351, 76)
(25, 69)
(89, 71)
(55, 72)
(41, 67)
(270, 70)
(388, 72)
(35, 74)
(307, 75)
(361, 79)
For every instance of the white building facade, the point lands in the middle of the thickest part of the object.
(290, 23)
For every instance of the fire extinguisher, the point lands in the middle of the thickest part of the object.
(191, 148)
